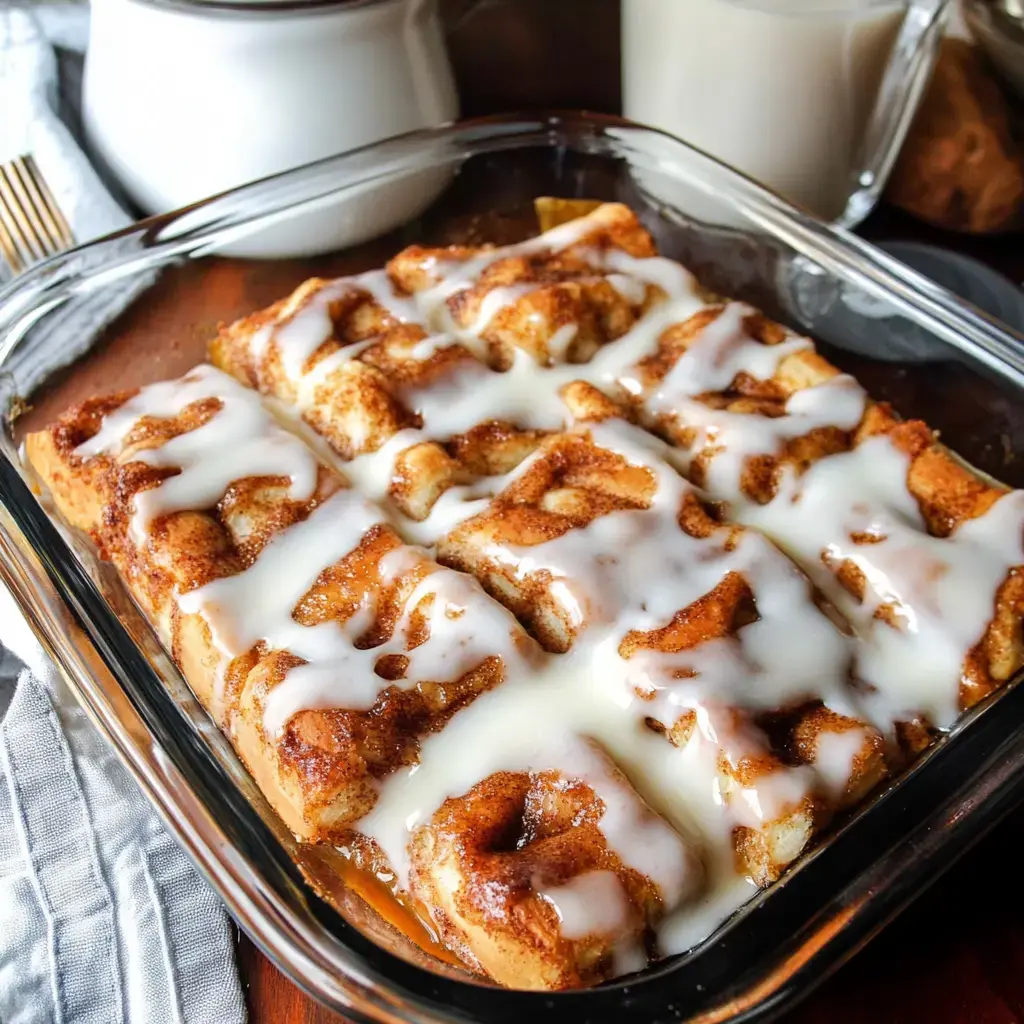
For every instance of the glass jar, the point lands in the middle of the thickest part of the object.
(810, 97)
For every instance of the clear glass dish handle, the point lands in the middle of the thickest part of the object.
(903, 83)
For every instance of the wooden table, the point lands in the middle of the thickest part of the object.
(955, 957)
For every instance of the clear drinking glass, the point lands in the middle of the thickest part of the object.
(812, 98)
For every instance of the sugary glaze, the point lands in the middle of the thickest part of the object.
(271, 585)
(565, 439)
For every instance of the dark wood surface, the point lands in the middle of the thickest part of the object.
(955, 957)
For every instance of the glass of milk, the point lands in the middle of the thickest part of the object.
(812, 98)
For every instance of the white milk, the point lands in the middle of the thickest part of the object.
(779, 89)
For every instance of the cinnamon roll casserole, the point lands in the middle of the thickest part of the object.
(565, 595)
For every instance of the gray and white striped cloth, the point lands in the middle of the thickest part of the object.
(103, 919)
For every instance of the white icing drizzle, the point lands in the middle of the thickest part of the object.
(242, 439)
(735, 437)
(308, 383)
(459, 503)
(305, 329)
(475, 394)
(671, 277)
(834, 756)
(258, 447)
(525, 394)
(633, 570)
(561, 341)
(465, 629)
(492, 304)
(661, 570)
(299, 332)
(259, 340)
(593, 903)
(431, 345)
(722, 351)
(942, 589)
(537, 733)
(630, 570)
(256, 605)
(632, 289)
(683, 931)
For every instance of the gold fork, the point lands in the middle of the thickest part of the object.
(32, 226)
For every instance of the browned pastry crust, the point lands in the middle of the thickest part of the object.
(319, 773)
(424, 471)
(610, 226)
(571, 482)
(563, 491)
(947, 492)
(560, 289)
(487, 861)
(484, 860)
(567, 487)
(358, 406)
(745, 395)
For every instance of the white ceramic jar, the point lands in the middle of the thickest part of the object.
(186, 98)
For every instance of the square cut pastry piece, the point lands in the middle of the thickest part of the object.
(557, 297)
(551, 878)
(610, 558)
(323, 646)
(343, 354)
(924, 559)
(744, 397)
(782, 774)
(569, 484)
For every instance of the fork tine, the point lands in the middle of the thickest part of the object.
(8, 249)
(32, 225)
(9, 210)
(46, 232)
(29, 221)
(57, 223)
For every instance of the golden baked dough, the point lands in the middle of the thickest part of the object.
(572, 482)
(319, 772)
(621, 591)
(490, 865)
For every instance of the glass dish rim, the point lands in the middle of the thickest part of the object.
(44, 288)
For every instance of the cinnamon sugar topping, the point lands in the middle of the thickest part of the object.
(584, 600)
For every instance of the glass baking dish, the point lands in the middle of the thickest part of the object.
(908, 341)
